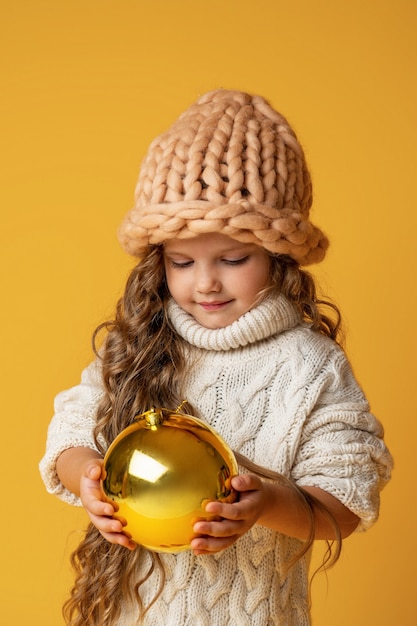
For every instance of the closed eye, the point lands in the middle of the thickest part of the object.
(188, 263)
(180, 264)
(239, 261)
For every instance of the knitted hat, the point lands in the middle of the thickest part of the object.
(229, 164)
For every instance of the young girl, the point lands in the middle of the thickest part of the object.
(219, 311)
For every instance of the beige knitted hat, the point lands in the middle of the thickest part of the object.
(229, 164)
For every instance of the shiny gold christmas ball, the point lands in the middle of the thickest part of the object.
(161, 471)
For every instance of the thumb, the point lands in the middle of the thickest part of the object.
(93, 470)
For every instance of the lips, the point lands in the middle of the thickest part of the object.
(213, 306)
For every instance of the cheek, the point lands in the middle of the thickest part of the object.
(260, 278)
(176, 283)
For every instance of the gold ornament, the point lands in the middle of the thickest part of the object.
(161, 471)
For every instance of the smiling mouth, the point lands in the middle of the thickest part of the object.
(213, 306)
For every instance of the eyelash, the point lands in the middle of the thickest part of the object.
(237, 261)
(177, 265)
(185, 264)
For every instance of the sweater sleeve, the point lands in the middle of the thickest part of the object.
(71, 426)
(342, 449)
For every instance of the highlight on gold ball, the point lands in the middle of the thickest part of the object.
(161, 471)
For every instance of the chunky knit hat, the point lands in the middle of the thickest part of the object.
(229, 164)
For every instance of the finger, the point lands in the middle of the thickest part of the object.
(94, 470)
(106, 524)
(225, 528)
(120, 539)
(91, 495)
(246, 482)
(210, 545)
(99, 507)
(224, 510)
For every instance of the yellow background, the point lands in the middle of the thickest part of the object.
(85, 86)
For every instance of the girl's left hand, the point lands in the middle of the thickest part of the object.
(236, 519)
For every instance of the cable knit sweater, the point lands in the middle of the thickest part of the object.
(285, 397)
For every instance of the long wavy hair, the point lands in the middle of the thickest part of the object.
(143, 365)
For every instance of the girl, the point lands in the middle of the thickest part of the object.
(219, 311)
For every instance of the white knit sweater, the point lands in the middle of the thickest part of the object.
(285, 397)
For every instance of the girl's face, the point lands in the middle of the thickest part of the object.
(215, 278)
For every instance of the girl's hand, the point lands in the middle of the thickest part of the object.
(236, 519)
(101, 511)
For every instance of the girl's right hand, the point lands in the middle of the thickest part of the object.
(101, 511)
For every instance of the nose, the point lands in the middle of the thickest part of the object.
(206, 280)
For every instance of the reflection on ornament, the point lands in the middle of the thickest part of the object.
(161, 471)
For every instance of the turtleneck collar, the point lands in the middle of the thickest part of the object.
(273, 315)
